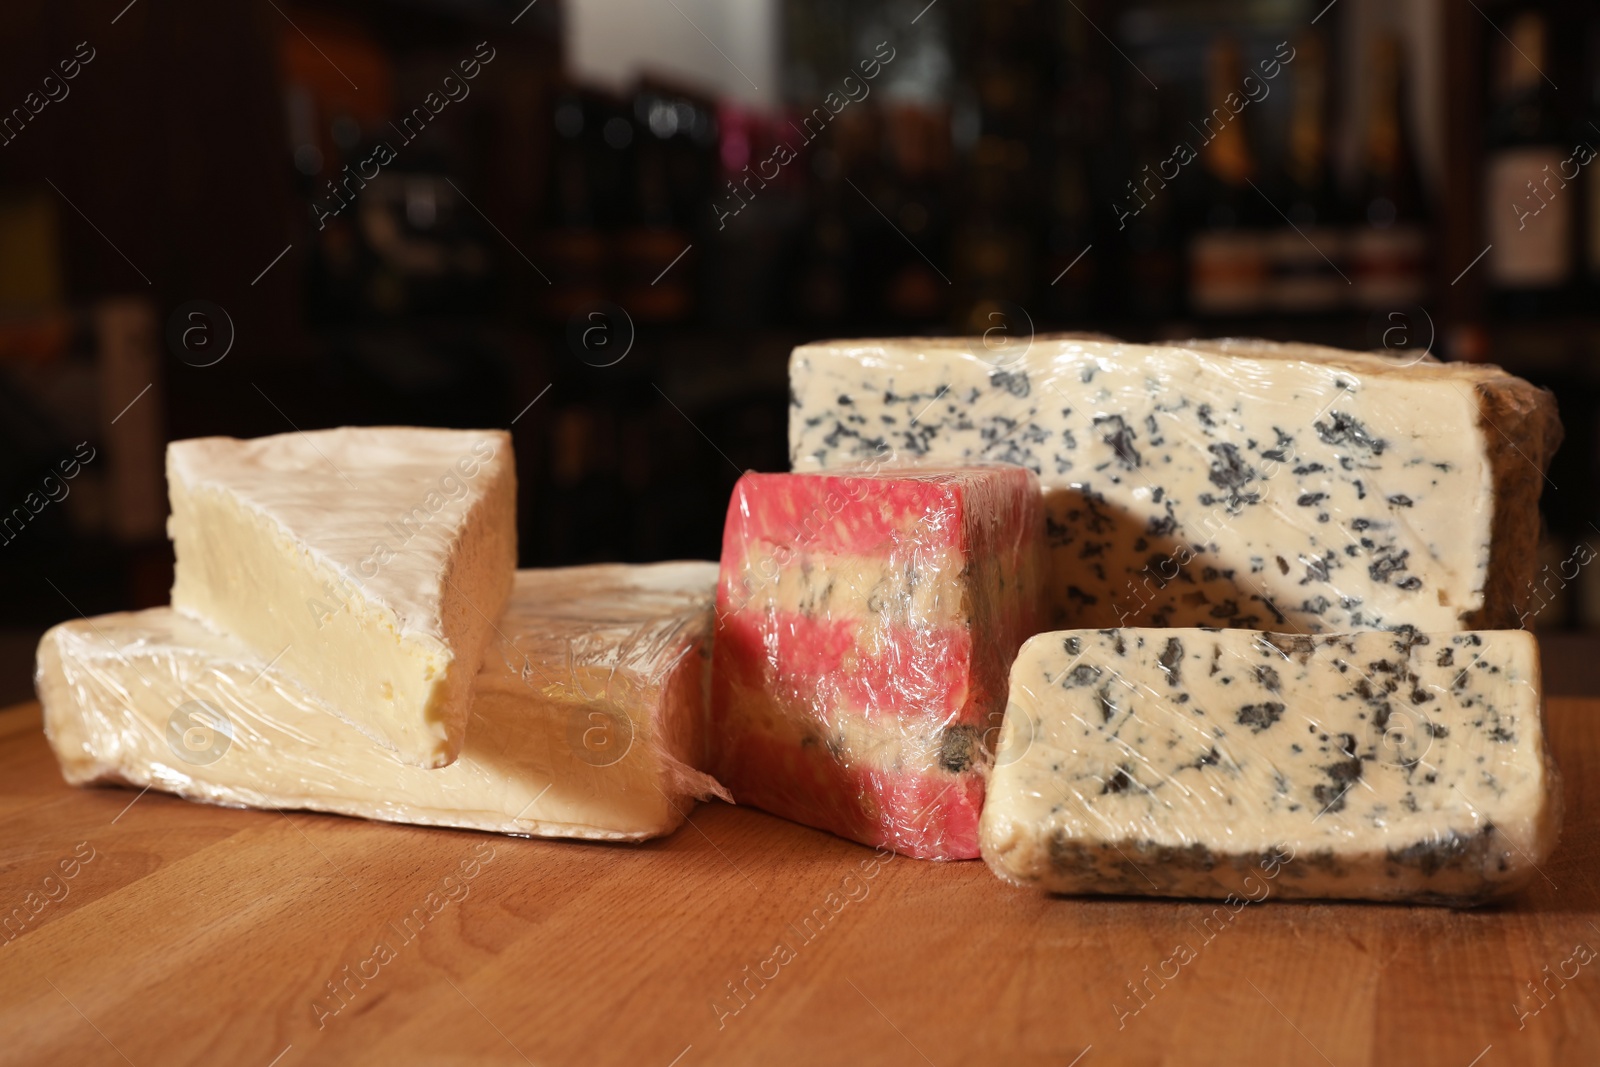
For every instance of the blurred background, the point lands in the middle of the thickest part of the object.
(604, 224)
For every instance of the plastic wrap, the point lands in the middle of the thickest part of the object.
(865, 625)
(387, 547)
(1236, 764)
(1230, 483)
(589, 717)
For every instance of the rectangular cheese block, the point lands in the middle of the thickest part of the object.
(589, 722)
(369, 564)
(1219, 483)
(865, 625)
(1194, 762)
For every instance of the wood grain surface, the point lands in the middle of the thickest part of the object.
(196, 935)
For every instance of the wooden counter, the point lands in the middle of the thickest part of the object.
(203, 935)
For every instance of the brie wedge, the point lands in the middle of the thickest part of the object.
(369, 564)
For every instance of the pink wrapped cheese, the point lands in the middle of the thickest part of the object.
(866, 624)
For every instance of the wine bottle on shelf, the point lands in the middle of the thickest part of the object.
(1153, 240)
(1529, 205)
(1079, 115)
(1069, 264)
(1227, 248)
(992, 249)
(1388, 242)
(572, 247)
(825, 285)
(1307, 254)
(669, 162)
(1589, 138)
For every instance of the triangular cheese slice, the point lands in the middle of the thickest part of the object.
(368, 564)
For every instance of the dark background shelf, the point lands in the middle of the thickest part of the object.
(989, 156)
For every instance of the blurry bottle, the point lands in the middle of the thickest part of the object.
(1307, 256)
(1228, 247)
(1529, 207)
(822, 292)
(1079, 115)
(1000, 229)
(1071, 266)
(571, 247)
(1586, 148)
(652, 265)
(918, 136)
(1388, 243)
(992, 257)
(1153, 239)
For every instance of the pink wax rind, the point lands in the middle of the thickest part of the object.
(866, 624)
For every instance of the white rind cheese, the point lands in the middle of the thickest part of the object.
(1178, 762)
(589, 722)
(368, 563)
(1219, 483)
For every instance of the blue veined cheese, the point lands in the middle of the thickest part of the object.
(1181, 762)
(1219, 483)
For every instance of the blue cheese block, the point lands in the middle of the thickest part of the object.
(1202, 763)
(1219, 483)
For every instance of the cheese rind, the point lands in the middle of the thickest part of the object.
(866, 622)
(1219, 483)
(1178, 762)
(589, 722)
(370, 564)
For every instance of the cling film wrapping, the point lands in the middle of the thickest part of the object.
(588, 718)
(1239, 765)
(1218, 483)
(866, 620)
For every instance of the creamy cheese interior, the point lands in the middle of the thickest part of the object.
(917, 587)
(368, 564)
(1387, 766)
(589, 719)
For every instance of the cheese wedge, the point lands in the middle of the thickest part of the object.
(1219, 483)
(1203, 763)
(865, 624)
(370, 564)
(589, 720)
